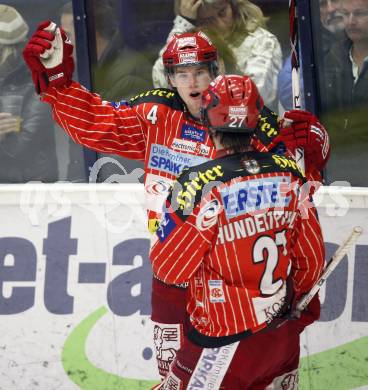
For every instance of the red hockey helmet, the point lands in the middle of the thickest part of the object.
(232, 104)
(190, 49)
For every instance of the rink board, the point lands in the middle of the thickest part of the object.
(75, 288)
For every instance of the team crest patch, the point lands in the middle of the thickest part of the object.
(217, 294)
(251, 166)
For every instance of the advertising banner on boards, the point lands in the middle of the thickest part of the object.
(75, 284)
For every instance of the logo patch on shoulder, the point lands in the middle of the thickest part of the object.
(167, 225)
(192, 133)
(117, 105)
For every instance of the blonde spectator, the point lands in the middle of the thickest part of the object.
(242, 26)
(27, 138)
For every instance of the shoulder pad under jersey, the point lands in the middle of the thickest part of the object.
(168, 97)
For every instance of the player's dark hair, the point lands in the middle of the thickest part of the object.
(237, 142)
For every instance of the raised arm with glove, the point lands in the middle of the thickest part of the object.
(296, 129)
(48, 55)
(302, 129)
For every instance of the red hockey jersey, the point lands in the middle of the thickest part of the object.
(153, 127)
(237, 228)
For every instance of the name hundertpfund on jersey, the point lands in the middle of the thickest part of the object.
(258, 223)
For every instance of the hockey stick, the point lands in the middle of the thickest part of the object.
(295, 71)
(332, 264)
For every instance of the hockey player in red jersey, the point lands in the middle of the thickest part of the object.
(161, 127)
(234, 229)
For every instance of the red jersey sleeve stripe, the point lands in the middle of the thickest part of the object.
(81, 112)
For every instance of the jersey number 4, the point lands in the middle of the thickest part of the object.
(152, 115)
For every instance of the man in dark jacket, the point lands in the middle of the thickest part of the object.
(27, 140)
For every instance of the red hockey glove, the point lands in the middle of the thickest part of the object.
(304, 130)
(49, 56)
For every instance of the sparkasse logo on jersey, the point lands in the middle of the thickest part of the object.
(168, 160)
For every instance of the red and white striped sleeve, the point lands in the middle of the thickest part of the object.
(180, 247)
(96, 124)
(308, 251)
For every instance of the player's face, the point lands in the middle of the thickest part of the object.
(331, 16)
(190, 82)
(355, 13)
(218, 16)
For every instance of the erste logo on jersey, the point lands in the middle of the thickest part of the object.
(164, 159)
(258, 194)
(193, 134)
(190, 147)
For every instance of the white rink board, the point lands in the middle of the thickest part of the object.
(75, 285)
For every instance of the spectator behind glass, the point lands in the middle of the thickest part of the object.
(118, 73)
(227, 61)
(332, 27)
(27, 139)
(242, 25)
(345, 97)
